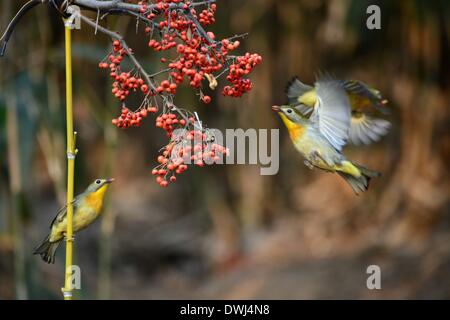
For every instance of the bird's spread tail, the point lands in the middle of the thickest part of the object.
(361, 183)
(47, 250)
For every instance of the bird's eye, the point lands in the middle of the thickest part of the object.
(97, 181)
(289, 110)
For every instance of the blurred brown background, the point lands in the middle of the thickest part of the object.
(225, 231)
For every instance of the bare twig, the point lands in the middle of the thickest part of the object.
(160, 72)
(10, 28)
(238, 36)
(118, 4)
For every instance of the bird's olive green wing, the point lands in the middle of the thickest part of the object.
(61, 214)
(294, 90)
(365, 129)
(362, 91)
(361, 88)
(365, 101)
(332, 112)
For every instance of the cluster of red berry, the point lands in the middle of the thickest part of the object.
(199, 55)
(206, 17)
(124, 82)
(169, 122)
(176, 26)
(191, 146)
(129, 118)
(243, 67)
(166, 86)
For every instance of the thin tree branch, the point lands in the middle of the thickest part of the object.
(119, 4)
(110, 6)
(238, 36)
(160, 72)
(10, 28)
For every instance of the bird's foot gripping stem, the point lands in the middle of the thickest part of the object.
(69, 239)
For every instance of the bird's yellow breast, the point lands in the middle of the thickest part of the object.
(94, 200)
(86, 212)
(296, 130)
(90, 208)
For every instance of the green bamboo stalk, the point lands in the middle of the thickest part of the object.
(71, 152)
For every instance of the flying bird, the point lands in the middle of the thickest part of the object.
(321, 134)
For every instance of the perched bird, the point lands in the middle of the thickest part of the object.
(86, 207)
(366, 104)
(321, 136)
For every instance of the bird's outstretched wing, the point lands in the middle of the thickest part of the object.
(372, 97)
(332, 112)
(61, 214)
(365, 126)
(365, 129)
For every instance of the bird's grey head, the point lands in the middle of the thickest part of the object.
(98, 183)
(289, 112)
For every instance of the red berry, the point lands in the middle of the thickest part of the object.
(206, 99)
(164, 183)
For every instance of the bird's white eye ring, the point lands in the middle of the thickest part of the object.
(289, 110)
(97, 181)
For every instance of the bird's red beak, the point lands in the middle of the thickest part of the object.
(276, 108)
(110, 180)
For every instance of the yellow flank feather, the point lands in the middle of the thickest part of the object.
(348, 167)
(58, 231)
(295, 130)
